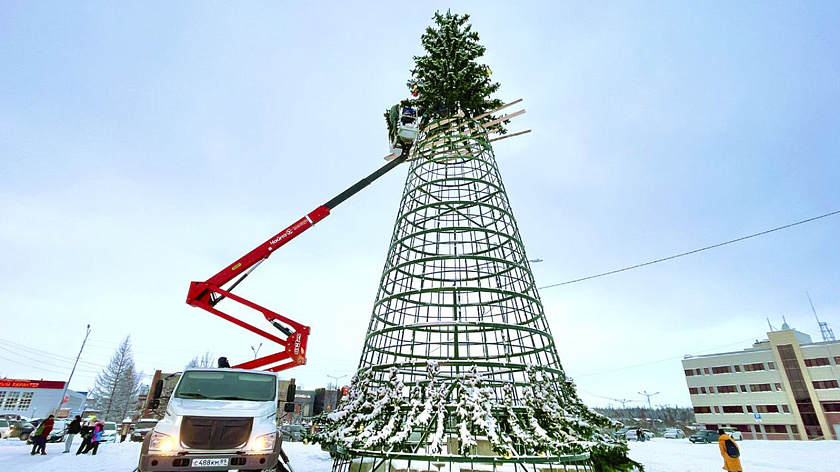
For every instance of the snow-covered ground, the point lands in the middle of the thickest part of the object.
(659, 455)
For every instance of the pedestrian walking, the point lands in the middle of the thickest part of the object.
(730, 452)
(73, 429)
(97, 437)
(40, 435)
(87, 437)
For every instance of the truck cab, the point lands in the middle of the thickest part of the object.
(216, 419)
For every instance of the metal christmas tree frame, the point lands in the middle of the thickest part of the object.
(459, 370)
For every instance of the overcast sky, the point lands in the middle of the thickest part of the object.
(144, 145)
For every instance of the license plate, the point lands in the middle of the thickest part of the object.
(210, 462)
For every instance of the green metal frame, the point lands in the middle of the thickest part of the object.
(457, 290)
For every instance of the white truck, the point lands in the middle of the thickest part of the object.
(217, 419)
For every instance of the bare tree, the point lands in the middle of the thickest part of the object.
(116, 387)
(204, 361)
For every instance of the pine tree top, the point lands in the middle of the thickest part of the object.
(448, 79)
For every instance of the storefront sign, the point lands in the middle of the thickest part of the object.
(13, 383)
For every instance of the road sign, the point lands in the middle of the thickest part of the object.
(757, 416)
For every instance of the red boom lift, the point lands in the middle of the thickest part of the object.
(208, 294)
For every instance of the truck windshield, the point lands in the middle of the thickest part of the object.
(222, 385)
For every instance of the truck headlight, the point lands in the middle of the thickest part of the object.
(161, 442)
(264, 443)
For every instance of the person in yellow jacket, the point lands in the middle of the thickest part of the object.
(730, 452)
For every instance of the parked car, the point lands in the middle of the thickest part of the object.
(143, 426)
(291, 432)
(22, 430)
(733, 432)
(58, 431)
(631, 434)
(674, 433)
(621, 432)
(5, 428)
(109, 432)
(704, 436)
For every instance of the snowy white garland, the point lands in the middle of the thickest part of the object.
(451, 416)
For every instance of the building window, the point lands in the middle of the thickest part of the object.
(760, 388)
(749, 409)
(733, 409)
(724, 369)
(776, 428)
(702, 409)
(717, 410)
(711, 390)
(836, 360)
(697, 371)
(743, 388)
(11, 401)
(766, 408)
(737, 368)
(728, 389)
(689, 372)
(706, 370)
(794, 429)
(693, 390)
(831, 406)
(771, 366)
(2, 397)
(785, 409)
(25, 401)
(779, 387)
(703, 390)
(817, 362)
(753, 367)
(821, 384)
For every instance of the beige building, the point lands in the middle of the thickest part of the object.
(785, 387)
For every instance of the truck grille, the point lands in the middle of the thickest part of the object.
(200, 432)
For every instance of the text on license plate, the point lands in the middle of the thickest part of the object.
(210, 462)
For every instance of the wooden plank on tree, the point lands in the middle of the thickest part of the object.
(503, 118)
(512, 135)
(498, 109)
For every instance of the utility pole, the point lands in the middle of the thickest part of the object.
(61, 399)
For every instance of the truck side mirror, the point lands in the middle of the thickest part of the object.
(290, 393)
(158, 389)
(289, 407)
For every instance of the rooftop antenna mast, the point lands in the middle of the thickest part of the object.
(827, 333)
(772, 328)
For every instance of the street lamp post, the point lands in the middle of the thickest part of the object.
(256, 350)
(334, 394)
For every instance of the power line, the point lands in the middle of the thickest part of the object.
(40, 361)
(634, 366)
(691, 252)
(40, 352)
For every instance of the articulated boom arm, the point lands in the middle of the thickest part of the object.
(207, 295)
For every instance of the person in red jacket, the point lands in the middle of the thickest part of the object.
(40, 435)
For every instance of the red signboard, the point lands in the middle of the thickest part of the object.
(14, 383)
